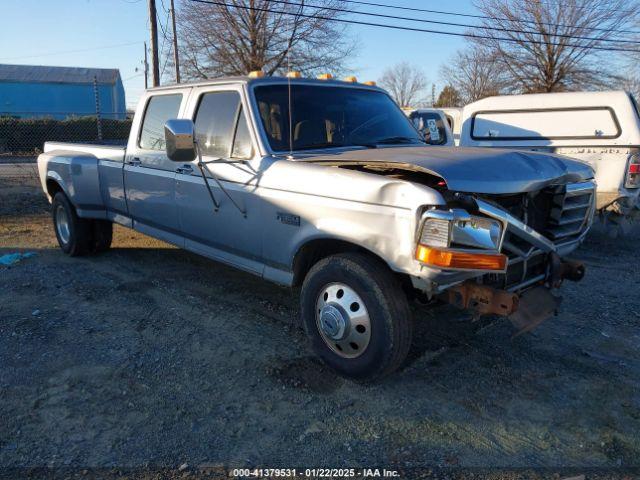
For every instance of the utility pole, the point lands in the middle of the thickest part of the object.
(175, 42)
(146, 67)
(153, 21)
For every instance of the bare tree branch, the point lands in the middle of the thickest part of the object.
(474, 73)
(405, 83)
(220, 40)
(559, 63)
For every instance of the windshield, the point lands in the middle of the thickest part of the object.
(431, 126)
(325, 117)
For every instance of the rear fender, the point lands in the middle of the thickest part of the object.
(78, 177)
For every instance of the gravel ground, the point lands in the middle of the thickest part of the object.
(148, 357)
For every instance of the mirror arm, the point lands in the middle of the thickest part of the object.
(201, 166)
(216, 205)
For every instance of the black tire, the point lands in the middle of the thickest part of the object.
(388, 313)
(77, 238)
(102, 235)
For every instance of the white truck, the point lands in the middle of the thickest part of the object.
(327, 185)
(600, 128)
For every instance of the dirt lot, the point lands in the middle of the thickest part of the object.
(148, 356)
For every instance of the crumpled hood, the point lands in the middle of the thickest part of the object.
(472, 170)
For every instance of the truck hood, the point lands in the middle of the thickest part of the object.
(471, 170)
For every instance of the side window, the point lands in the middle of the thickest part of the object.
(216, 126)
(242, 146)
(159, 109)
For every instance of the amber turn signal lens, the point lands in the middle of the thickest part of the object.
(465, 260)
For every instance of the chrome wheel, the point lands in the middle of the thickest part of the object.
(62, 224)
(343, 320)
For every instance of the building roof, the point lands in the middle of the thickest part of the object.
(40, 74)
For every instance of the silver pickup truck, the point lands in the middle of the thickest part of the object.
(327, 185)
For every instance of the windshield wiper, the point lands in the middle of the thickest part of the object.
(397, 140)
(318, 146)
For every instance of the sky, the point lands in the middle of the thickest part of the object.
(110, 34)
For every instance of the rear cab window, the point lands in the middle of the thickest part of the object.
(160, 108)
(431, 126)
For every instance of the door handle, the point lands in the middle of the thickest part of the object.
(185, 170)
(134, 162)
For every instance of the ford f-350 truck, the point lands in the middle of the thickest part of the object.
(327, 185)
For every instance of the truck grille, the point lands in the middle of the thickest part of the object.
(570, 212)
(561, 213)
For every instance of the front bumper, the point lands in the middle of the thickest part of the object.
(532, 255)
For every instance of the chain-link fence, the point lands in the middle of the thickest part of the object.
(24, 134)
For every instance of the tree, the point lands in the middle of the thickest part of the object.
(474, 73)
(449, 97)
(544, 54)
(405, 83)
(223, 40)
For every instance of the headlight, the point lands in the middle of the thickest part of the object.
(455, 240)
(478, 232)
(456, 228)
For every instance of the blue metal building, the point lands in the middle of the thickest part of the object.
(29, 91)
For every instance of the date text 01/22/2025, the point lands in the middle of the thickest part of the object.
(314, 473)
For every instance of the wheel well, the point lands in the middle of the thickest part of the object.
(315, 250)
(53, 187)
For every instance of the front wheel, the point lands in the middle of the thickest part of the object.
(356, 316)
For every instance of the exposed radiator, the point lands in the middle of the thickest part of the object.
(571, 212)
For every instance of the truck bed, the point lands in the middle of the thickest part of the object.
(114, 153)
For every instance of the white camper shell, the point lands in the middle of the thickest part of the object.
(600, 128)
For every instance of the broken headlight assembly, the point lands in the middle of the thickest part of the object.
(454, 239)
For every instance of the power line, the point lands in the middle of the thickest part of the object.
(51, 54)
(409, 29)
(452, 24)
(580, 7)
(478, 16)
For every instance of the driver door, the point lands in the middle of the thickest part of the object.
(232, 233)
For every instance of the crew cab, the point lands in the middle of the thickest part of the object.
(327, 185)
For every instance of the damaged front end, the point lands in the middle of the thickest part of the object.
(503, 255)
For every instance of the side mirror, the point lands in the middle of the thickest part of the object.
(179, 140)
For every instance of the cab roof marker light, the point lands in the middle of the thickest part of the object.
(325, 76)
(351, 79)
(371, 83)
(294, 75)
(256, 74)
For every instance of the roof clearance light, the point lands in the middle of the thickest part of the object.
(294, 75)
(256, 74)
(461, 260)
(371, 83)
(325, 76)
(351, 79)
